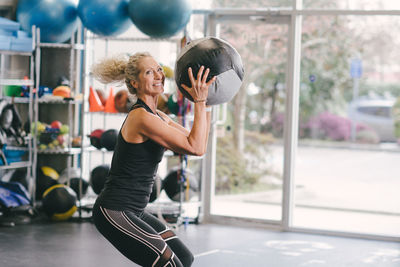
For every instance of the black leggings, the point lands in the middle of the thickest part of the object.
(142, 238)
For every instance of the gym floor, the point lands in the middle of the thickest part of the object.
(79, 244)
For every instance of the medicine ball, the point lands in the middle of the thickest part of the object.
(46, 178)
(157, 188)
(173, 181)
(98, 177)
(108, 139)
(121, 100)
(95, 138)
(59, 202)
(223, 61)
(75, 182)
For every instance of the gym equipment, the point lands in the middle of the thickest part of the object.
(105, 17)
(57, 20)
(59, 202)
(160, 19)
(20, 176)
(63, 91)
(173, 181)
(13, 194)
(157, 188)
(95, 138)
(108, 139)
(95, 104)
(223, 61)
(98, 177)
(109, 107)
(46, 178)
(74, 185)
(121, 101)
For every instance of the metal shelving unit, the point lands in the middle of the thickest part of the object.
(5, 80)
(74, 105)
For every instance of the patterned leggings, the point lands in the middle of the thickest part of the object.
(142, 238)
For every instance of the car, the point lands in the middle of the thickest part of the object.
(376, 114)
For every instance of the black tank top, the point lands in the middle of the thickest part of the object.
(133, 168)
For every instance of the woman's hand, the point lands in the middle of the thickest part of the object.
(199, 89)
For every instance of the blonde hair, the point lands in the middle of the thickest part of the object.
(119, 69)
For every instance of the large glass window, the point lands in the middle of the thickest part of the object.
(249, 160)
(346, 167)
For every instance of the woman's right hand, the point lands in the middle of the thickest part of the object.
(199, 89)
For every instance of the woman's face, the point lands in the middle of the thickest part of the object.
(151, 77)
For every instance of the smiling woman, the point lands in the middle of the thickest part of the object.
(145, 134)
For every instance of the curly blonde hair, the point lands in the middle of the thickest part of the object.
(118, 69)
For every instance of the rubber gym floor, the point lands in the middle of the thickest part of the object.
(79, 244)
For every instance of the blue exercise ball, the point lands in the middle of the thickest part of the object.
(57, 20)
(105, 17)
(160, 19)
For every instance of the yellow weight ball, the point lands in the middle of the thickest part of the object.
(59, 202)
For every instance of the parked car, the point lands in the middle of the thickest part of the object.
(375, 113)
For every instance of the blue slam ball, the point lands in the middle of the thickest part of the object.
(105, 17)
(57, 20)
(160, 19)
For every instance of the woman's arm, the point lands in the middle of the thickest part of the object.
(172, 137)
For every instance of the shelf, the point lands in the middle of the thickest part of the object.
(66, 46)
(15, 53)
(21, 82)
(119, 114)
(17, 148)
(58, 101)
(16, 165)
(61, 151)
(16, 99)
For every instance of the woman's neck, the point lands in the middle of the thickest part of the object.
(150, 101)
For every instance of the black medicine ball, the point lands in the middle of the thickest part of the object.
(98, 177)
(76, 184)
(59, 202)
(173, 181)
(108, 139)
(223, 61)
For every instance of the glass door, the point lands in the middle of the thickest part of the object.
(249, 134)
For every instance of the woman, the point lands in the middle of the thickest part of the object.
(146, 132)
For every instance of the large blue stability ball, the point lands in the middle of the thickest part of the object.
(223, 61)
(160, 19)
(105, 17)
(57, 20)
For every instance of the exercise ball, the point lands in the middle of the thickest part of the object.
(57, 20)
(98, 177)
(46, 178)
(108, 139)
(105, 17)
(223, 61)
(173, 181)
(160, 19)
(157, 188)
(95, 138)
(79, 185)
(59, 202)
